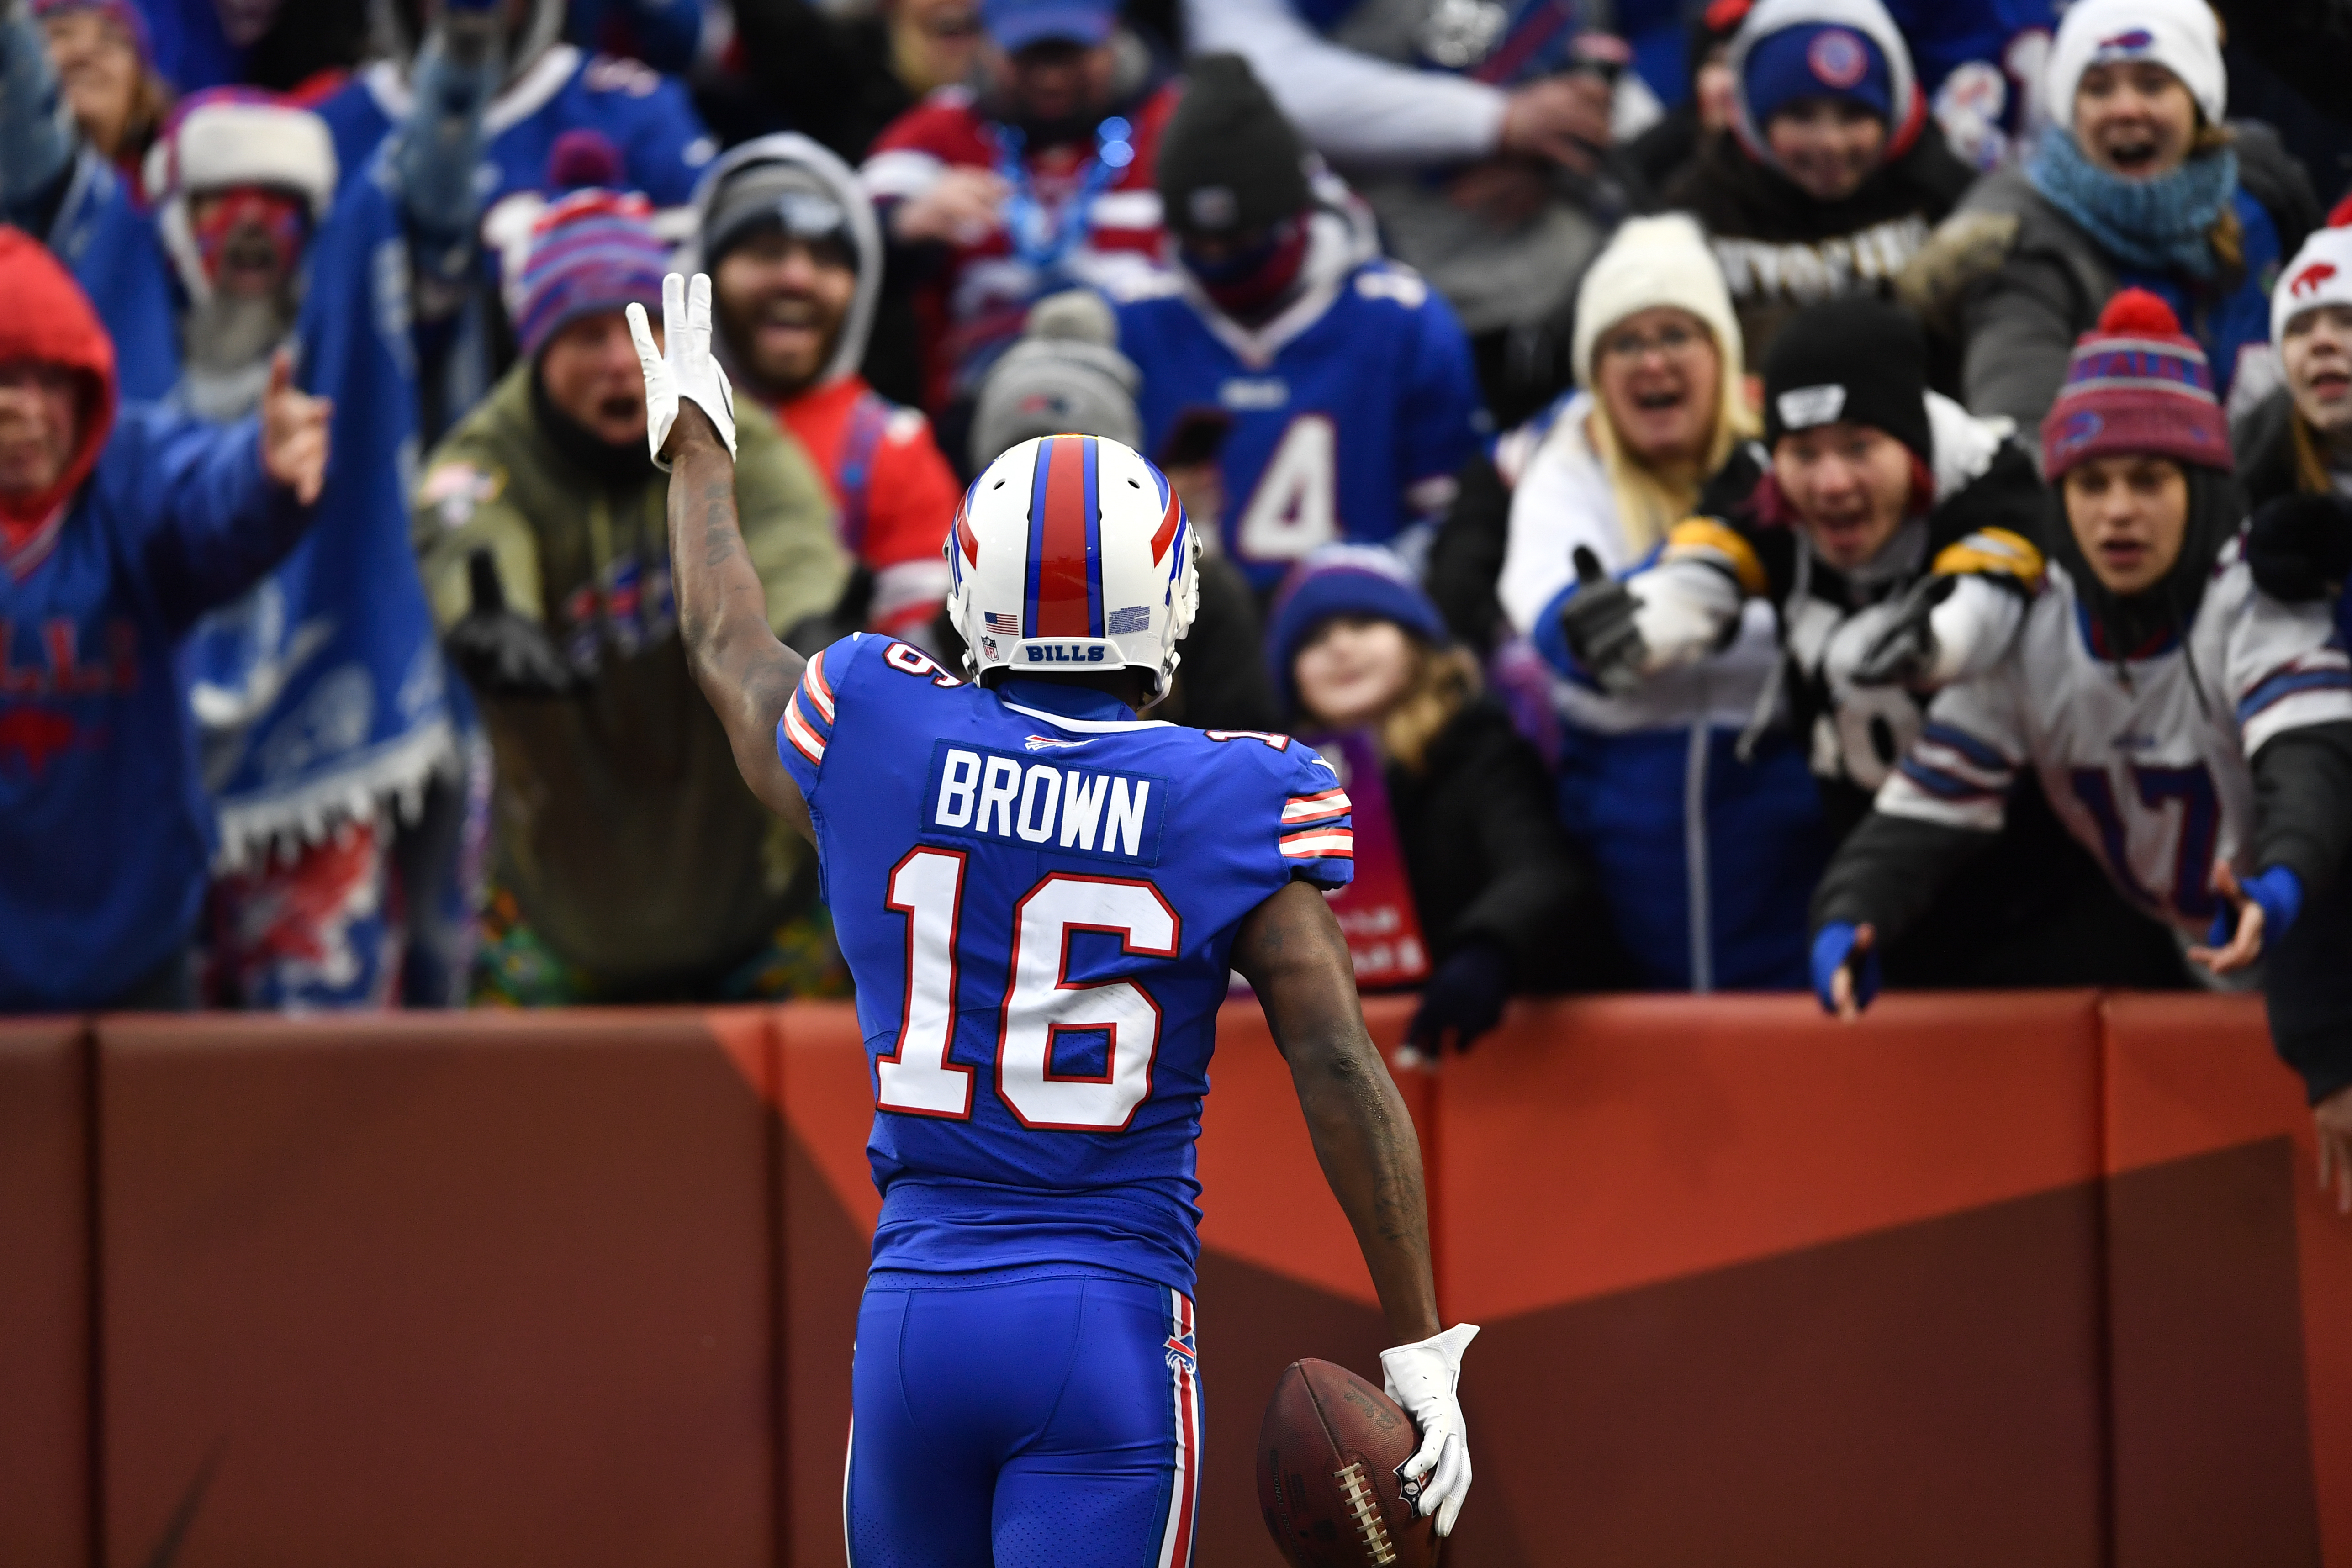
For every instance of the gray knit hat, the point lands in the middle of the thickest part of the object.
(1063, 377)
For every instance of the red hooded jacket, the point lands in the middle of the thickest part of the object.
(47, 321)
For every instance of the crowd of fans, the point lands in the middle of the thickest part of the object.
(1765, 494)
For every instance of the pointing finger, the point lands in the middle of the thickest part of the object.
(697, 310)
(673, 307)
(281, 373)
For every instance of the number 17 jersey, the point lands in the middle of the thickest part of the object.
(1037, 895)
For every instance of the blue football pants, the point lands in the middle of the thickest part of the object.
(1050, 1423)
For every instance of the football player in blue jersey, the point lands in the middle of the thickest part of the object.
(1041, 897)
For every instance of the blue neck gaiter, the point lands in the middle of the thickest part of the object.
(2157, 225)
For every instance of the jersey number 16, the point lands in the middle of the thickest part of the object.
(1041, 1001)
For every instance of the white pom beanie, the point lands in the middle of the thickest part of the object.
(2181, 36)
(1654, 262)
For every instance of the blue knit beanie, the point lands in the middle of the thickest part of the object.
(1817, 61)
(592, 251)
(1344, 580)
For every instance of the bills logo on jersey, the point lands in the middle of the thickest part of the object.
(1049, 743)
(1183, 1355)
(976, 792)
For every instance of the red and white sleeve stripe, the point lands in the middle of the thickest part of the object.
(807, 723)
(1326, 806)
(1320, 843)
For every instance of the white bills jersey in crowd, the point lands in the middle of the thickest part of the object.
(2146, 760)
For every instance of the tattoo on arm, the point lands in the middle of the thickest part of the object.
(1292, 951)
(746, 673)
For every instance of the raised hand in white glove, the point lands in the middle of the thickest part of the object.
(1421, 1377)
(681, 366)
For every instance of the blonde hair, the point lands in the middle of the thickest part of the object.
(2311, 476)
(2228, 235)
(1649, 501)
(1444, 680)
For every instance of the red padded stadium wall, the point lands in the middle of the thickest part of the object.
(2027, 1280)
(1758, 1288)
(2230, 1296)
(465, 1289)
(46, 1499)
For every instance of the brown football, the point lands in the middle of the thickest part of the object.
(1326, 1463)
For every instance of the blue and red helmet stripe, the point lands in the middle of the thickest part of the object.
(1064, 583)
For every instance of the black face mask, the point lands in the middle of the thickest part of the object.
(616, 467)
(2131, 626)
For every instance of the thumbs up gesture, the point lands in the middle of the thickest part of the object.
(1598, 620)
(294, 432)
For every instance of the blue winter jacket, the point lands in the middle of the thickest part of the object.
(105, 833)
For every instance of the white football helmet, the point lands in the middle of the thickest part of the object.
(1072, 552)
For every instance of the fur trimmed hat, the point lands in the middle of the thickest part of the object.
(226, 137)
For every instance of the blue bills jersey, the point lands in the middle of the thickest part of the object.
(649, 117)
(1351, 411)
(1037, 893)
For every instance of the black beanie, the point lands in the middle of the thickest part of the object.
(1861, 361)
(1229, 162)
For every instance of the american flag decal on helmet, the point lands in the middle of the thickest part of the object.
(1064, 597)
(1001, 625)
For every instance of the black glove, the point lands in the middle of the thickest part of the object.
(2300, 547)
(1906, 646)
(499, 652)
(1464, 999)
(1599, 620)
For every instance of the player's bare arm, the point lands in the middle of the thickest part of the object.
(1291, 949)
(1292, 952)
(745, 671)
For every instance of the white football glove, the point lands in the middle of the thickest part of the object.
(683, 367)
(1421, 1378)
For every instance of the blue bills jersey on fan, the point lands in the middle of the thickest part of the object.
(1351, 411)
(1037, 894)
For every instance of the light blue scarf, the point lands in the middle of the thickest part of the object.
(2156, 226)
